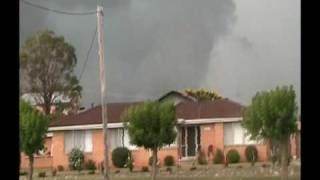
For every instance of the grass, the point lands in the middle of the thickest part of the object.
(202, 173)
(99, 177)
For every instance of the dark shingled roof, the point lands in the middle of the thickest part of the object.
(187, 110)
(93, 115)
(220, 108)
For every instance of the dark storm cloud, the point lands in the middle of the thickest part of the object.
(150, 46)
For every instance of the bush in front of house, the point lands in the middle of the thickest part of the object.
(202, 159)
(42, 174)
(169, 160)
(219, 157)
(120, 156)
(23, 173)
(76, 159)
(130, 164)
(145, 169)
(60, 168)
(251, 154)
(90, 165)
(233, 156)
(54, 172)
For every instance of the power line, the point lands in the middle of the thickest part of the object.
(58, 11)
(88, 53)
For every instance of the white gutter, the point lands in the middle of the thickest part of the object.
(208, 121)
(120, 125)
(85, 127)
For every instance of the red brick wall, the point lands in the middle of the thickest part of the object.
(141, 156)
(59, 157)
(39, 162)
(219, 136)
(207, 137)
(210, 134)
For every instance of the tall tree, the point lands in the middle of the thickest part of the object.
(33, 128)
(272, 116)
(202, 94)
(151, 125)
(46, 65)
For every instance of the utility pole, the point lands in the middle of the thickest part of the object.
(103, 87)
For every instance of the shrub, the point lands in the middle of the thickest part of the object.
(219, 157)
(193, 168)
(169, 161)
(53, 172)
(289, 159)
(117, 171)
(76, 159)
(210, 150)
(91, 172)
(120, 156)
(202, 159)
(130, 164)
(145, 169)
(23, 173)
(150, 161)
(42, 174)
(251, 154)
(90, 165)
(233, 156)
(60, 168)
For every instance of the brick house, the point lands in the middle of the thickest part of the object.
(199, 125)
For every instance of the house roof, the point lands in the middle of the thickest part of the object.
(177, 93)
(93, 115)
(186, 110)
(220, 108)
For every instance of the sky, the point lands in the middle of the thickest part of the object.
(153, 46)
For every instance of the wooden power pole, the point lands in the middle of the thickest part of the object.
(103, 87)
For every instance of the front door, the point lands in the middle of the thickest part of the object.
(190, 141)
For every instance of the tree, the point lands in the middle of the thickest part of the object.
(201, 94)
(46, 66)
(272, 117)
(151, 125)
(33, 128)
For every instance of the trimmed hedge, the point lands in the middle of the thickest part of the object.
(202, 159)
(233, 156)
(169, 160)
(145, 169)
(120, 156)
(219, 157)
(251, 153)
(90, 165)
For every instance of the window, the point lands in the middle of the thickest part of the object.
(235, 134)
(81, 139)
(119, 137)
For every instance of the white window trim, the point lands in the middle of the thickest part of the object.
(208, 120)
(85, 127)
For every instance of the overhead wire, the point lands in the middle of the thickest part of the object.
(58, 11)
(88, 53)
